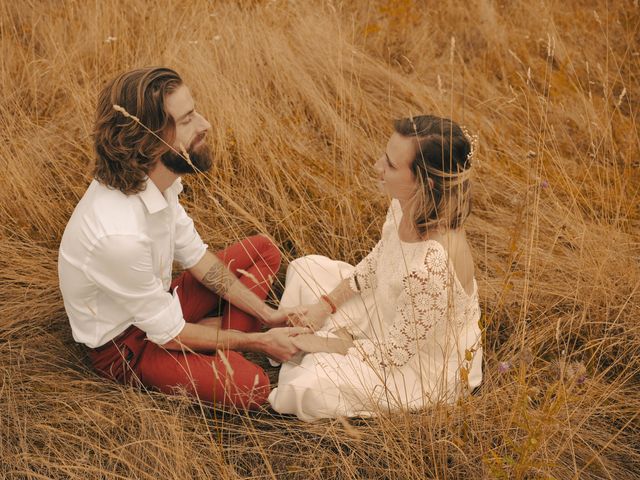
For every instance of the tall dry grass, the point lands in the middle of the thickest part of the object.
(300, 95)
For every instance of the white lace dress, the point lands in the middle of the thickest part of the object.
(416, 329)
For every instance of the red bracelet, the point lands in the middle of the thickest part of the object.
(329, 302)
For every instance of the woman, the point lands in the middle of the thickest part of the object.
(400, 330)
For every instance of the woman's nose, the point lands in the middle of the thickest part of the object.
(378, 166)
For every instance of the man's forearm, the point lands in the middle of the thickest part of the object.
(213, 274)
(204, 338)
(276, 343)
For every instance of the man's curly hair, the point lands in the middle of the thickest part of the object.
(125, 150)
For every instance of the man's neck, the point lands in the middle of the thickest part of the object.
(162, 176)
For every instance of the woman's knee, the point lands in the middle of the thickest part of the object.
(306, 266)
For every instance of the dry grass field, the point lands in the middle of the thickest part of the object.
(301, 95)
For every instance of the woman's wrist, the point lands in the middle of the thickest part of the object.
(325, 305)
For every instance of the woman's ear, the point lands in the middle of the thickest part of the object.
(431, 183)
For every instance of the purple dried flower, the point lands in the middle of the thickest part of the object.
(544, 184)
(503, 367)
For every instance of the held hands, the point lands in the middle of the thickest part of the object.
(278, 343)
(312, 315)
(282, 316)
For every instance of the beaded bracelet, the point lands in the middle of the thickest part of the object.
(329, 302)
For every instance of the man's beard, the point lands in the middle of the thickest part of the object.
(200, 159)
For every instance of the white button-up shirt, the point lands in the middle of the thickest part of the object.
(115, 263)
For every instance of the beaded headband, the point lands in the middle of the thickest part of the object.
(460, 176)
(473, 142)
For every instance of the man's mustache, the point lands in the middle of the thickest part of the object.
(195, 141)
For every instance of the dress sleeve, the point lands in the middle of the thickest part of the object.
(363, 277)
(421, 305)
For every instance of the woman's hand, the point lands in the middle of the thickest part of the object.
(313, 343)
(284, 316)
(314, 317)
(278, 343)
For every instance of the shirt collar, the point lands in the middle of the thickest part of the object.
(153, 198)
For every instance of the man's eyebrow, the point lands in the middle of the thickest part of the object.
(182, 117)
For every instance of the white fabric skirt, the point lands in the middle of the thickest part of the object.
(327, 385)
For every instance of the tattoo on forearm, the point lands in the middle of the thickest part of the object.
(218, 279)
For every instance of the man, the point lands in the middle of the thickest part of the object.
(118, 248)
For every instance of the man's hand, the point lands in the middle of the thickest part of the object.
(315, 316)
(277, 343)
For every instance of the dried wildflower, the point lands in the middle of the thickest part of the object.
(526, 356)
(247, 274)
(225, 362)
(110, 39)
(350, 429)
(544, 184)
(124, 112)
(577, 371)
(622, 94)
(533, 392)
(187, 158)
(558, 367)
(453, 48)
(504, 367)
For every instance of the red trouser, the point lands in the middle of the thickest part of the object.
(231, 380)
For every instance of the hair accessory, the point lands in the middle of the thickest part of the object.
(473, 142)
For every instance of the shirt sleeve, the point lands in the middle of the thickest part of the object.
(189, 247)
(121, 266)
(421, 305)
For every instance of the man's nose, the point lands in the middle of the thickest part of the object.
(205, 126)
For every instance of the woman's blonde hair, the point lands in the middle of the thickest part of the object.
(443, 155)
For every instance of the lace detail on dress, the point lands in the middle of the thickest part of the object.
(422, 304)
(363, 277)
